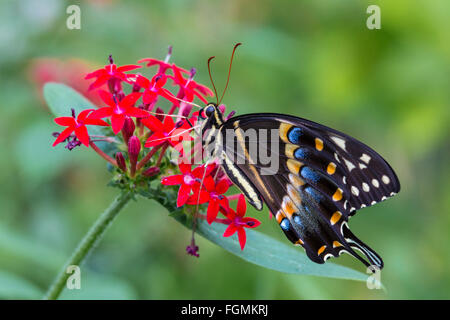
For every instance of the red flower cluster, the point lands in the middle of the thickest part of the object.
(144, 135)
(202, 185)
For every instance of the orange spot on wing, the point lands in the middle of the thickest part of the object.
(335, 217)
(319, 144)
(337, 195)
(321, 249)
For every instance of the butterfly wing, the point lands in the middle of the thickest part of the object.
(322, 178)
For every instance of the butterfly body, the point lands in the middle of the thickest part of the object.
(316, 179)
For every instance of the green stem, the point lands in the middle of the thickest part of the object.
(88, 242)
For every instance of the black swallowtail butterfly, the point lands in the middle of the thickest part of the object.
(324, 177)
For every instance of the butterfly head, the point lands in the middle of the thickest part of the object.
(212, 115)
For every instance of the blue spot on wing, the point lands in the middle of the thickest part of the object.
(314, 194)
(298, 220)
(285, 225)
(294, 135)
(301, 153)
(310, 174)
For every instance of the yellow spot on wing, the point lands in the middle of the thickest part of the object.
(337, 195)
(319, 144)
(299, 242)
(294, 195)
(321, 249)
(296, 181)
(289, 150)
(284, 128)
(331, 169)
(294, 166)
(335, 217)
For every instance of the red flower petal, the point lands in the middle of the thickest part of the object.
(65, 121)
(117, 121)
(242, 237)
(168, 124)
(95, 73)
(83, 115)
(96, 122)
(149, 96)
(107, 98)
(82, 135)
(183, 195)
(213, 210)
(241, 206)
(196, 199)
(155, 140)
(231, 229)
(128, 67)
(172, 180)
(101, 113)
(184, 167)
(142, 81)
(152, 123)
(130, 99)
(99, 82)
(63, 135)
(250, 222)
(136, 112)
(222, 186)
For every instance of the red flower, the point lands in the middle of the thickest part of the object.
(189, 86)
(237, 222)
(110, 71)
(163, 65)
(167, 131)
(214, 195)
(188, 180)
(118, 110)
(154, 88)
(78, 125)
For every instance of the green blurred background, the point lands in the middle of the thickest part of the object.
(313, 59)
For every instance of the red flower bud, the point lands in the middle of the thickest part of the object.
(134, 147)
(121, 161)
(128, 129)
(150, 172)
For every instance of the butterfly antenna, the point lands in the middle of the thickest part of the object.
(229, 71)
(210, 77)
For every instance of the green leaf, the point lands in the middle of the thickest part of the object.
(61, 98)
(270, 253)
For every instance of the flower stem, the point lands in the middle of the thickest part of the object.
(87, 243)
(102, 154)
